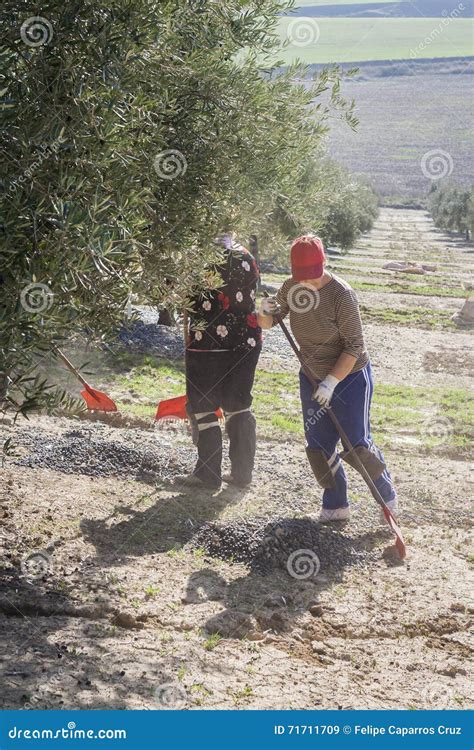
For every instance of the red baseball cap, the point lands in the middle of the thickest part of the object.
(307, 258)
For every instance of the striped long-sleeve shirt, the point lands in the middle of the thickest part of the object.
(325, 323)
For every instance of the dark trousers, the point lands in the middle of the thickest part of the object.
(223, 379)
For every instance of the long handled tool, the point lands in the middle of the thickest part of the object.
(389, 517)
(95, 400)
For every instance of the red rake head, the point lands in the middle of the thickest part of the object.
(399, 541)
(97, 401)
(172, 408)
(175, 408)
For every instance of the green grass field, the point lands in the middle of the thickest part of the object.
(420, 317)
(397, 409)
(326, 40)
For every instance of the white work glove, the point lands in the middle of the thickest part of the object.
(269, 306)
(323, 393)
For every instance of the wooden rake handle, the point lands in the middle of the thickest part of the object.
(186, 336)
(71, 367)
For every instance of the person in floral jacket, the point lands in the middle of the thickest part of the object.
(221, 357)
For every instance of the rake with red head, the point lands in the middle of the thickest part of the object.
(173, 409)
(95, 400)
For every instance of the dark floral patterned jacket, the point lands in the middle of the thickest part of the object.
(225, 318)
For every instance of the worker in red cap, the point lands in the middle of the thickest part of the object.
(325, 320)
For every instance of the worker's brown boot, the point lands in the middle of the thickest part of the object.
(191, 480)
(229, 479)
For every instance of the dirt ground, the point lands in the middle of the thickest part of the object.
(119, 589)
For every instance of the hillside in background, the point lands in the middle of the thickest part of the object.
(413, 88)
(413, 129)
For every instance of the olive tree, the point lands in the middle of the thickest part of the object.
(134, 132)
(452, 207)
(330, 202)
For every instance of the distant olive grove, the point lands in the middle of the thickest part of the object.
(452, 207)
(134, 132)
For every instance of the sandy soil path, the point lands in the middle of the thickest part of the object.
(120, 590)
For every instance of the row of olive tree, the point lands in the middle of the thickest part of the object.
(452, 207)
(332, 203)
(136, 131)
